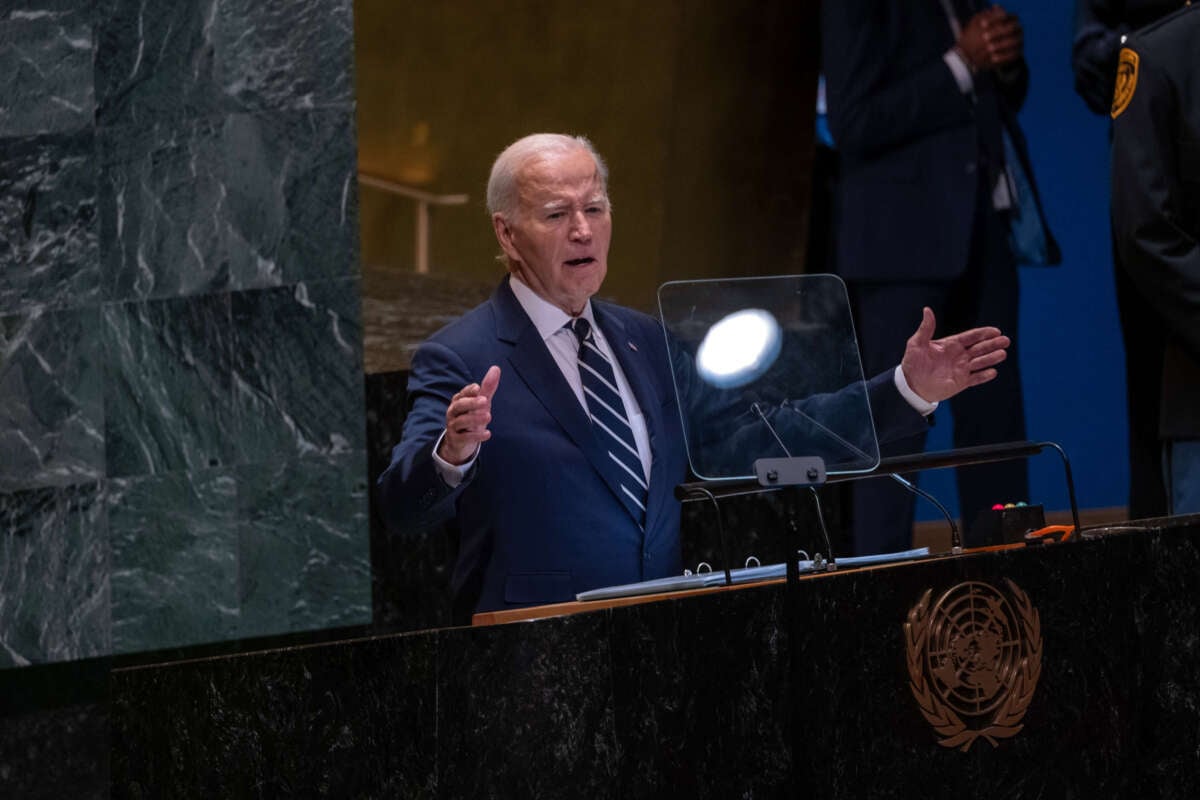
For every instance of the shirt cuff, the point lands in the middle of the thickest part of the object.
(962, 73)
(453, 474)
(919, 404)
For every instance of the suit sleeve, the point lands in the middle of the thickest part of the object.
(1013, 84)
(1157, 249)
(728, 428)
(891, 415)
(411, 492)
(872, 107)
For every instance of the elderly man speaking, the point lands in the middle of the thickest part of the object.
(544, 422)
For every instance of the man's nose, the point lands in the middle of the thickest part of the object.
(581, 231)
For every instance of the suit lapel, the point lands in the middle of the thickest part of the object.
(531, 360)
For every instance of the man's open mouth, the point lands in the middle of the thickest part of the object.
(579, 262)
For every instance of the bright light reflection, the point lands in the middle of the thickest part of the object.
(739, 348)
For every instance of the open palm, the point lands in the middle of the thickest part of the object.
(938, 369)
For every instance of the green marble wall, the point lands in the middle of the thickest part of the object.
(182, 454)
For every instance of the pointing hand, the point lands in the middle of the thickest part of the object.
(467, 418)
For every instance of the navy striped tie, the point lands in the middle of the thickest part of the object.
(608, 420)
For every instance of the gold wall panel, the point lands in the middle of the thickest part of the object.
(703, 110)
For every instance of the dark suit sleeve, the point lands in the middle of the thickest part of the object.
(1149, 219)
(1013, 84)
(891, 415)
(728, 429)
(412, 493)
(872, 105)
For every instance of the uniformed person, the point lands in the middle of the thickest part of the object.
(1156, 220)
(1100, 29)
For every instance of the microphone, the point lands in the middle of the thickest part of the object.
(956, 546)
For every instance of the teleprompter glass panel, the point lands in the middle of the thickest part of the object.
(767, 368)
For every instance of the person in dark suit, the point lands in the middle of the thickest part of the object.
(933, 178)
(1100, 25)
(1156, 224)
(560, 478)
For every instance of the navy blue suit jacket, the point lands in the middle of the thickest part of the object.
(913, 149)
(539, 519)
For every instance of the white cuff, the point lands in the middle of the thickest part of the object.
(962, 73)
(919, 404)
(453, 474)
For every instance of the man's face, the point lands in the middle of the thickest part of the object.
(557, 244)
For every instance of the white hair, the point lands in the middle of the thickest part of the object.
(502, 191)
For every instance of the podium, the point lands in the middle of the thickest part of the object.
(725, 693)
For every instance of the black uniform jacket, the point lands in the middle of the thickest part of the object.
(1156, 196)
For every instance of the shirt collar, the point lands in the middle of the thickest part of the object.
(545, 316)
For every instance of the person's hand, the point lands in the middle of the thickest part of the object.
(938, 369)
(992, 38)
(467, 418)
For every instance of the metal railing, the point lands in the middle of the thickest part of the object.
(424, 201)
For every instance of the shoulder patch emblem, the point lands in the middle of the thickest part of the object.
(1127, 67)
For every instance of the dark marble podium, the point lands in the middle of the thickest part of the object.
(763, 691)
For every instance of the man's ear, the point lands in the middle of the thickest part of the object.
(504, 237)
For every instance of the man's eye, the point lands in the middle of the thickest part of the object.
(556, 215)
(595, 209)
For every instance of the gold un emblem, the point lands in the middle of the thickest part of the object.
(974, 659)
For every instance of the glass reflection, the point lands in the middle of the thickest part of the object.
(739, 349)
(766, 368)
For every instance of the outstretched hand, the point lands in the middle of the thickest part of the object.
(938, 369)
(467, 418)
